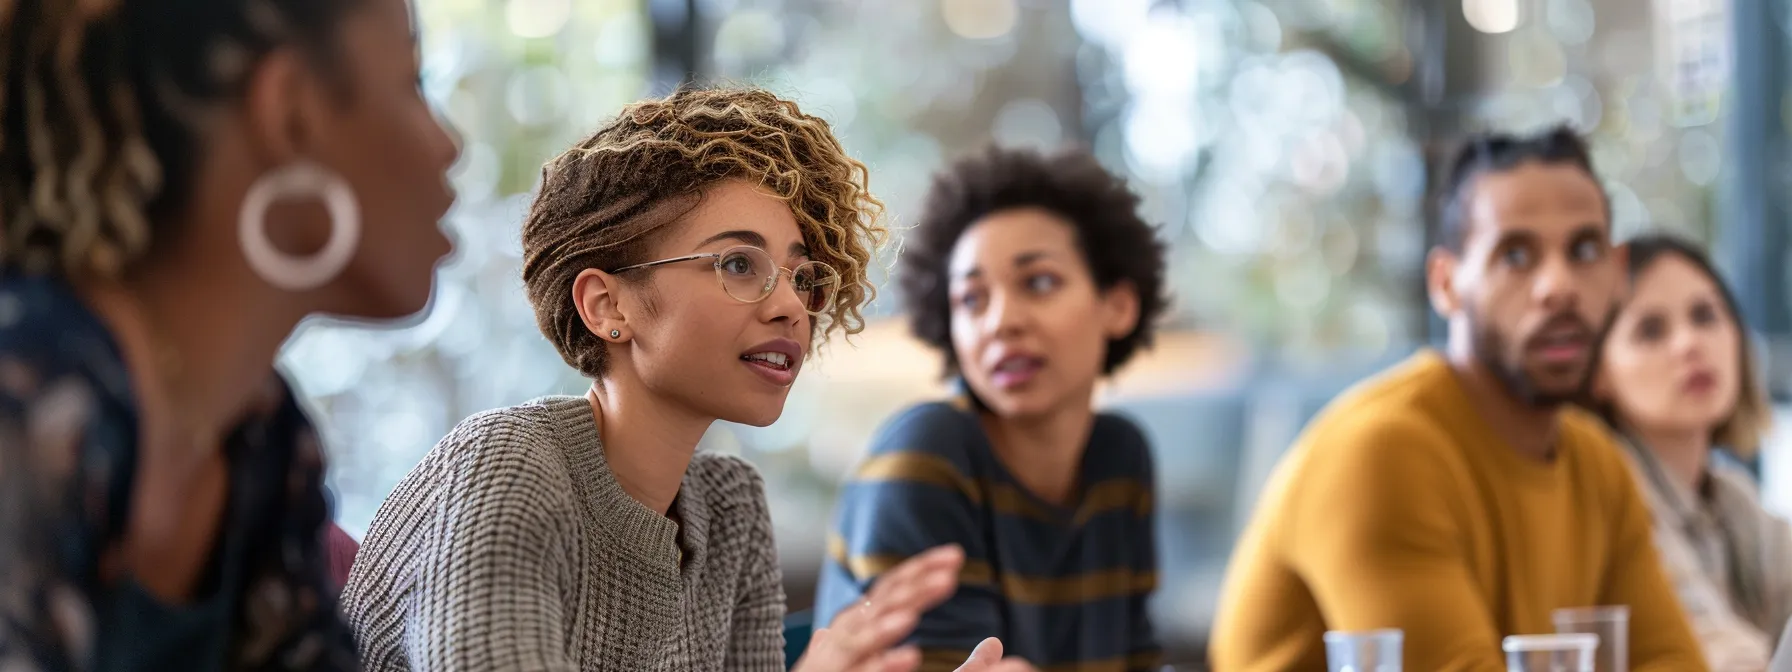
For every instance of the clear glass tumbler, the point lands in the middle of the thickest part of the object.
(1611, 623)
(1551, 653)
(1363, 651)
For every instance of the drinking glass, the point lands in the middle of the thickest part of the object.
(1611, 623)
(1551, 653)
(1363, 651)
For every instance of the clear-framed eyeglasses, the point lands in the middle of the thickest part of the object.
(748, 274)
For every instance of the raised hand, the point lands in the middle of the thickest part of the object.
(861, 638)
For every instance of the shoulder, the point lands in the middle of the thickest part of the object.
(53, 347)
(934, 443)
(1733, 478)
(939, 428)
(1369, 469)
(497, 450)
(1368, 438)
(1122, 442)
(525, 432)
(1736, 490)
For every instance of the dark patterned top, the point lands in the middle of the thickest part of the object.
(68, 461)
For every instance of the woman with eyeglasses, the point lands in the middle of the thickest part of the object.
(162, 168)
(686, 257)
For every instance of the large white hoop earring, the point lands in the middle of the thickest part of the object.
(297, 180)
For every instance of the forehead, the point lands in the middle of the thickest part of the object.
(998, 239)
(736, 205)
(1671, 279)
(1547, 200)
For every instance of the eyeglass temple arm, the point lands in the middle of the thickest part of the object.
(674, 260)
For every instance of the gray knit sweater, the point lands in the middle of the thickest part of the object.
(512, 547)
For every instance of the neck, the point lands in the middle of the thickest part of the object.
(198, 347)
(1683, 453)
(1529, 428)
(1044, 453)
(648, 440)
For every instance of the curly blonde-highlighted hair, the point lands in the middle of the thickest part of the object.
(602, 201)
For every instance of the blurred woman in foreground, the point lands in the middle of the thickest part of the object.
(1678, 381)
(181, 184)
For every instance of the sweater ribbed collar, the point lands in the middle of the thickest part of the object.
(631, 528)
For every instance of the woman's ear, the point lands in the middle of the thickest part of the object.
(1120, 309)
(594, 292)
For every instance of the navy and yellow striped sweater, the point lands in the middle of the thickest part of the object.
(1064, 587)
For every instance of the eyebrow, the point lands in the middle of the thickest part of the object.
(1510, 238)
(1022, 259)
(1589, 231)
(750, 238)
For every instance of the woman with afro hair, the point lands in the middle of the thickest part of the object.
(1034, 277)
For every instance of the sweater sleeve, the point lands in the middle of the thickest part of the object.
(756, 635)
(489, 593)
(1380, 545)
(1660, 638)
(912, 494)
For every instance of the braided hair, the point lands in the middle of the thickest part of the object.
(602, 200)
(100, 111)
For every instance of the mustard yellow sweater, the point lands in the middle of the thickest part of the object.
(1400, 508)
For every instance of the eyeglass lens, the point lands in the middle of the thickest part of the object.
(749, 274)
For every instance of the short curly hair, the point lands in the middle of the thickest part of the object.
(602, 200)
(1116, 243)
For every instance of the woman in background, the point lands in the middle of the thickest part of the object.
(1034, 277)
(1677, 380)
(162, 168)
(686, 257)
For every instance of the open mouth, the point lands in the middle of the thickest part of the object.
(1562, 343)
(1701, 382)
(1015, 371)
(776, 361)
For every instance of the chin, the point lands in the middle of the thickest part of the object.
(1009, 405)
(400, 311)
(391, 299)
(754, 415)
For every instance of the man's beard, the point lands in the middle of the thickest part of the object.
(1490, 349)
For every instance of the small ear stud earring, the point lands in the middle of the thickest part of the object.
(615, 333)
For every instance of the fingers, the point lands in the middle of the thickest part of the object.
(860, 638)
(919, 583)
(915, 585)
(983, 658)
(900, 659)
